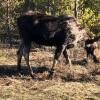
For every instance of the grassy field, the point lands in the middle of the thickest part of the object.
(81, 82)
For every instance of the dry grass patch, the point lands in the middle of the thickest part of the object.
(81, 82)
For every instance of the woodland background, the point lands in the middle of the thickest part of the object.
(87, 11)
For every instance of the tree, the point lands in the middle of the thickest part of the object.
(87, 11)
(89, 14)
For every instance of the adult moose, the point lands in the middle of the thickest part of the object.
(49, 31)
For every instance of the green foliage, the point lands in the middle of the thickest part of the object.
(88, 11)
(89, 14)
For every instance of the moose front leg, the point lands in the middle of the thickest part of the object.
(66, 54)
(69, 60)
(58, 53)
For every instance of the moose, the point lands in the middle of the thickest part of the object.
(90, 46)
(63, 32)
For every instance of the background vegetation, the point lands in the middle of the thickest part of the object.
(87, 11)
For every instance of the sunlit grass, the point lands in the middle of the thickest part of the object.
(83, 83)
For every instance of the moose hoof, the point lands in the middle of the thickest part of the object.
(32, 75)
(50, 76)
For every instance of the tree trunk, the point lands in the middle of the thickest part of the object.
(75, 8)
(8, 25)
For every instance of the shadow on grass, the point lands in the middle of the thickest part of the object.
(82, 62)
(71, 78)
(11, 70)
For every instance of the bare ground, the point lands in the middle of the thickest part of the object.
(80, 82)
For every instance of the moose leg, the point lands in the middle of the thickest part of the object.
(69, 60)
(95, 58)
(58, 53)
(88, 55)
(19, 56)
(26, 56)
(66, 56)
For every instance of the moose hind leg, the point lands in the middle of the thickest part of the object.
(19, 56)
(26, 56)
